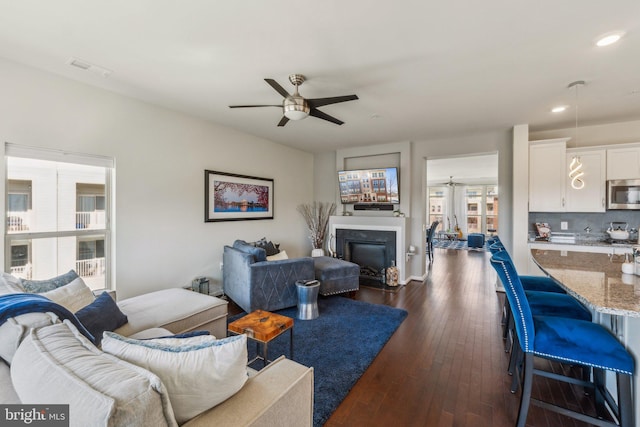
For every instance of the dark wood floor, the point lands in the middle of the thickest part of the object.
(445, 365)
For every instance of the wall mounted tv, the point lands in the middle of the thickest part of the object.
(374, 185)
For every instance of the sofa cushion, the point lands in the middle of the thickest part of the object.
(259, 254)
(199, 372)
(40, 286)
(176, 309)
(101, 315)
(15, 329)
(10, 284)
(57, 365)
(72, 296)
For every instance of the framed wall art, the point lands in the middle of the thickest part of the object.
(232, 197)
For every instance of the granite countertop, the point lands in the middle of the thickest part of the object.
(595, 279)
(592, 239)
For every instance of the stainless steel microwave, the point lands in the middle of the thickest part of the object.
(623, 194)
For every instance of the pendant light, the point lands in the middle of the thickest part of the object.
(575, 167)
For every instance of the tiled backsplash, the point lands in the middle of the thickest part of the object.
(577, 222)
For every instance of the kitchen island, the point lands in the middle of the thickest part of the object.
(596, 280)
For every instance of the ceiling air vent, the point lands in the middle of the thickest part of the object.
(87, 66)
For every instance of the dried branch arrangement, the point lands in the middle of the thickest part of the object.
(316, 215)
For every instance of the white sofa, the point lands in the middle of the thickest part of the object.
(280, 394)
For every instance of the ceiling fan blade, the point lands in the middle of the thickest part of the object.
(252, 106)
(283, 121)
(319, 102)
(324, 116)
(274, 84)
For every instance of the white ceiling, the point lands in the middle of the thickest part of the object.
(480, 169)
(422, 69)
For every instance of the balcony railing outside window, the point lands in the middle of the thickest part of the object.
(19, 221)
(90, 220)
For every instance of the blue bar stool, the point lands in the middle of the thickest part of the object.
(540, 289)
(565, 340)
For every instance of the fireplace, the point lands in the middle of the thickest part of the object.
(372, 250)
(394, 250)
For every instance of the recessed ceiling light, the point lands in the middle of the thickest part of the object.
(559, 109)
(608, 39)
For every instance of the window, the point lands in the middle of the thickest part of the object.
(437, 201)
(58, 214)
(482, 209)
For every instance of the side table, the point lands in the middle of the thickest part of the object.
(262, 327)
(307, 299)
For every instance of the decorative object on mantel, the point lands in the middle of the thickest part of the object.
(398, 213)
(316, 215)
(575, 168)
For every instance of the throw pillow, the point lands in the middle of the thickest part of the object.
(267, 245)
(15, 330)
(40, 286)
(279, 256)
(101, 315)
(72, 296)
(58, 365)
(199, 372)
(259, 254)
(10, 284)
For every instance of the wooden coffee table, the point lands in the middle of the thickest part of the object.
(262, 327)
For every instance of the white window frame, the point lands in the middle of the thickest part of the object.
(36, 153)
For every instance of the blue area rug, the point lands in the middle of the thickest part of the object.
(340, 345)
(456, 244)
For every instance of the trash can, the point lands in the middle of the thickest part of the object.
(307, 299)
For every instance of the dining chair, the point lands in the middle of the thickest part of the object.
(566, 340)
(431, 232)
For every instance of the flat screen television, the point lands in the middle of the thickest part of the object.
(374, 185)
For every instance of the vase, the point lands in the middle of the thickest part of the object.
(317, 252)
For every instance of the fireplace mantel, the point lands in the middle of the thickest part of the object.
(397, 224)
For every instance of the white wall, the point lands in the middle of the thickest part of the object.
(161, 239)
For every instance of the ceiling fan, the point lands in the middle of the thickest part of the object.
(296, 107)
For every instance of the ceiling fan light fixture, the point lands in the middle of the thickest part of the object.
(296, 108)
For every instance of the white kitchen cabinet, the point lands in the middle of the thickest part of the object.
(623, 163)
(550, 187)
(591, 198)
(547, 175)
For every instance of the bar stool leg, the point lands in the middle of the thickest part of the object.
(599, 383)
(625, 401)
(525, 398)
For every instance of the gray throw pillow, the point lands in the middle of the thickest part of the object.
(40, 286)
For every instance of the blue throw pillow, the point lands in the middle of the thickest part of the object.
(101, 315)
(40, 286)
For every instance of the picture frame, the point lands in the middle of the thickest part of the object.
(234, 197)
